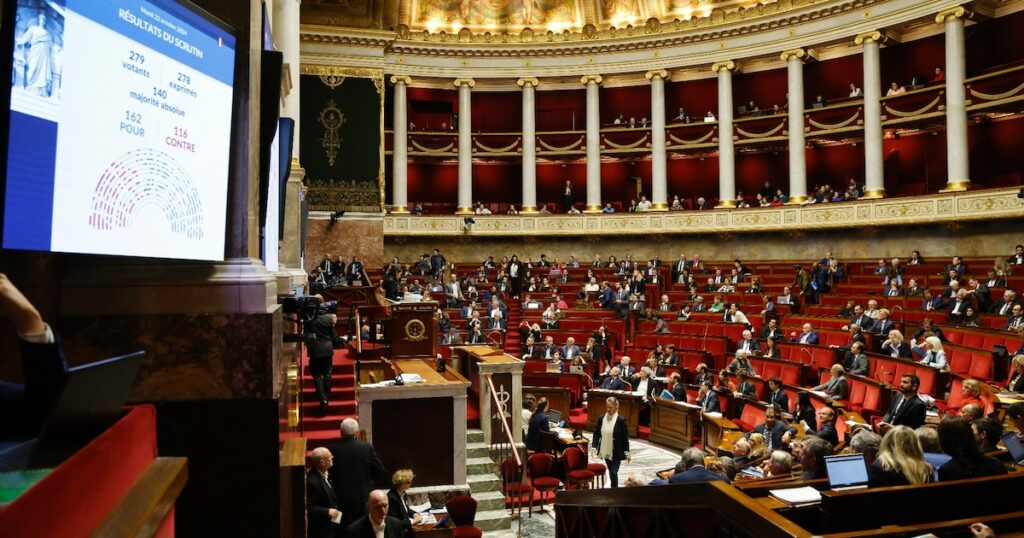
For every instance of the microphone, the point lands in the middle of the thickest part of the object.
(441, 365)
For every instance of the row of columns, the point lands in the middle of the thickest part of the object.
(956, 128)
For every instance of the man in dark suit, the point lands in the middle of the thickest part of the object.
(775, 432)
(24, 407)
(1018, 256)
(356, 467)
(1005, 306)
(826, 426)
(693, 460)
(707, 399)
(376, 520)
(613, 381)
(836, 387)
(772, 330)
(748, 344)
(321, 500)
(322, 340)
(861, 319)
(355, 273)
(679, 270)
(776, 396)
(807, 335)
(906, 409)
(437, 263)
(931, 302)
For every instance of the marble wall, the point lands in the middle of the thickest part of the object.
(973, 239)
(350, 236)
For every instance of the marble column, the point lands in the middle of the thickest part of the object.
(465, 86)
(797, 146)
(659, 173)
(593, 83)
(958, 171)
(286, 39)
(529, 85)
(874, 160)
(726, 155)
(400, 147)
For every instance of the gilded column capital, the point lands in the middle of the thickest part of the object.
(659, 73)
(587, 79)
(727, 64)
(872, 36)
(793, 54)
(958, 12)
(460, 82)
(404, 79)
(528, 81)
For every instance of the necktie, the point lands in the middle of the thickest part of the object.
(768, 440)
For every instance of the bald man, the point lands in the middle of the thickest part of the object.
(321, 499)
(376, 523)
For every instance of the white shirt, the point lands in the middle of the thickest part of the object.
(641, 389)
(379, 531)
(644, 205)
(608, 436)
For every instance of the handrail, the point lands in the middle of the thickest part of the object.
(504, 422)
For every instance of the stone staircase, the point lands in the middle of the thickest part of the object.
(485, 486)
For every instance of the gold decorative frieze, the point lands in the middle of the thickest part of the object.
(940, 208)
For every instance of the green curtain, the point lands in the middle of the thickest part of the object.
(340, 141)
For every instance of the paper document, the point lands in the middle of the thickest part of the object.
(411, 378)
(427, 519)
(797, 496)
(336, 519)
(420, 507)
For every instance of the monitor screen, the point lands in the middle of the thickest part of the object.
(120, 127)
(846, 470)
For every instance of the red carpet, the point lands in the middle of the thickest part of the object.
(324, 430)
(472, 414)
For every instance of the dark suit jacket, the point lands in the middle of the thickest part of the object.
(613, 383)
(883, 327)
(398, 510)
(24, 408)
(696, 474)
(911, 414)
(620, 438)
(865, 322)
(539, 422)
(356, 467)
(902, 351)
(827, 432)
(326, 338)
(776, 432)
(709, 403)
(362, 528)
(776, 335)
(320, 497)
(781, 399)
(679, 393)
(749, 345)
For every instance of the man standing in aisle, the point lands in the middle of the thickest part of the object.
(356, 467)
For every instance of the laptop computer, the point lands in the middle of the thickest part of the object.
(555, 417)
(90, 401)
(575, 369)
(1015, 447)
(846, 472)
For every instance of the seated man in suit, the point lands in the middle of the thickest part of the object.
(693, 461)
(931, 302)
(625, 369)
(376, 523)
(861, 319)
(806, 336)
(812, 457)
(776, 433)
(549, 349)
(707, 399)
(772, 330)
(776, 396)
(826, 426)
(321, 500)
(1016, 319)
(613, 381)
(906, 409)
(856, 361)
(570, 350)
(748, 344)
(1005, 306)
(836, 387)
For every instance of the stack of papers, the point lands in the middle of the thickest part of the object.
(797, 496)
(420, 507)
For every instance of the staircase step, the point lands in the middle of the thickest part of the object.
(482, 483)
(492, 520)
(342, 380)
(340, 394)
(477, 450)
(489, 500)
(474, 436)
(480, 466)
(311, 407)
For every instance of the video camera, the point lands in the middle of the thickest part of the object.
(308, 307)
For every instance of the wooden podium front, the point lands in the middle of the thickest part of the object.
(414, 330)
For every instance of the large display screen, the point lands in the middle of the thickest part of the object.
(120, 129)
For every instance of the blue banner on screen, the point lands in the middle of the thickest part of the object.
(120, 129)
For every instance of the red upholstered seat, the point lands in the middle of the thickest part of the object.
(467, 532)
(462, 510)
(599, 469)
(513, 485)
(577, 473)
(540, 465)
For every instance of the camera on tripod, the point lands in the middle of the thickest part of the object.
(308, 307)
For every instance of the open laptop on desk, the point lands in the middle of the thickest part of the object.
(90, 401)
(1015, 447)
(846, 472)
(555, 417)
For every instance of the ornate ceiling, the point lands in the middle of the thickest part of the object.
(510, 16)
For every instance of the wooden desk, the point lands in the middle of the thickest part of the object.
(629, 408)
(714, 429)
(429, 531)
(674, 423)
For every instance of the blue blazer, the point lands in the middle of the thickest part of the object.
(812, 338)
(613, 383)
(696, 474)
(710, 403)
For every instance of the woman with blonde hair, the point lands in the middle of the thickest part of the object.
(1017, 379)
(934, 356)
(756, 441)
(900, 460)
(401, 481)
